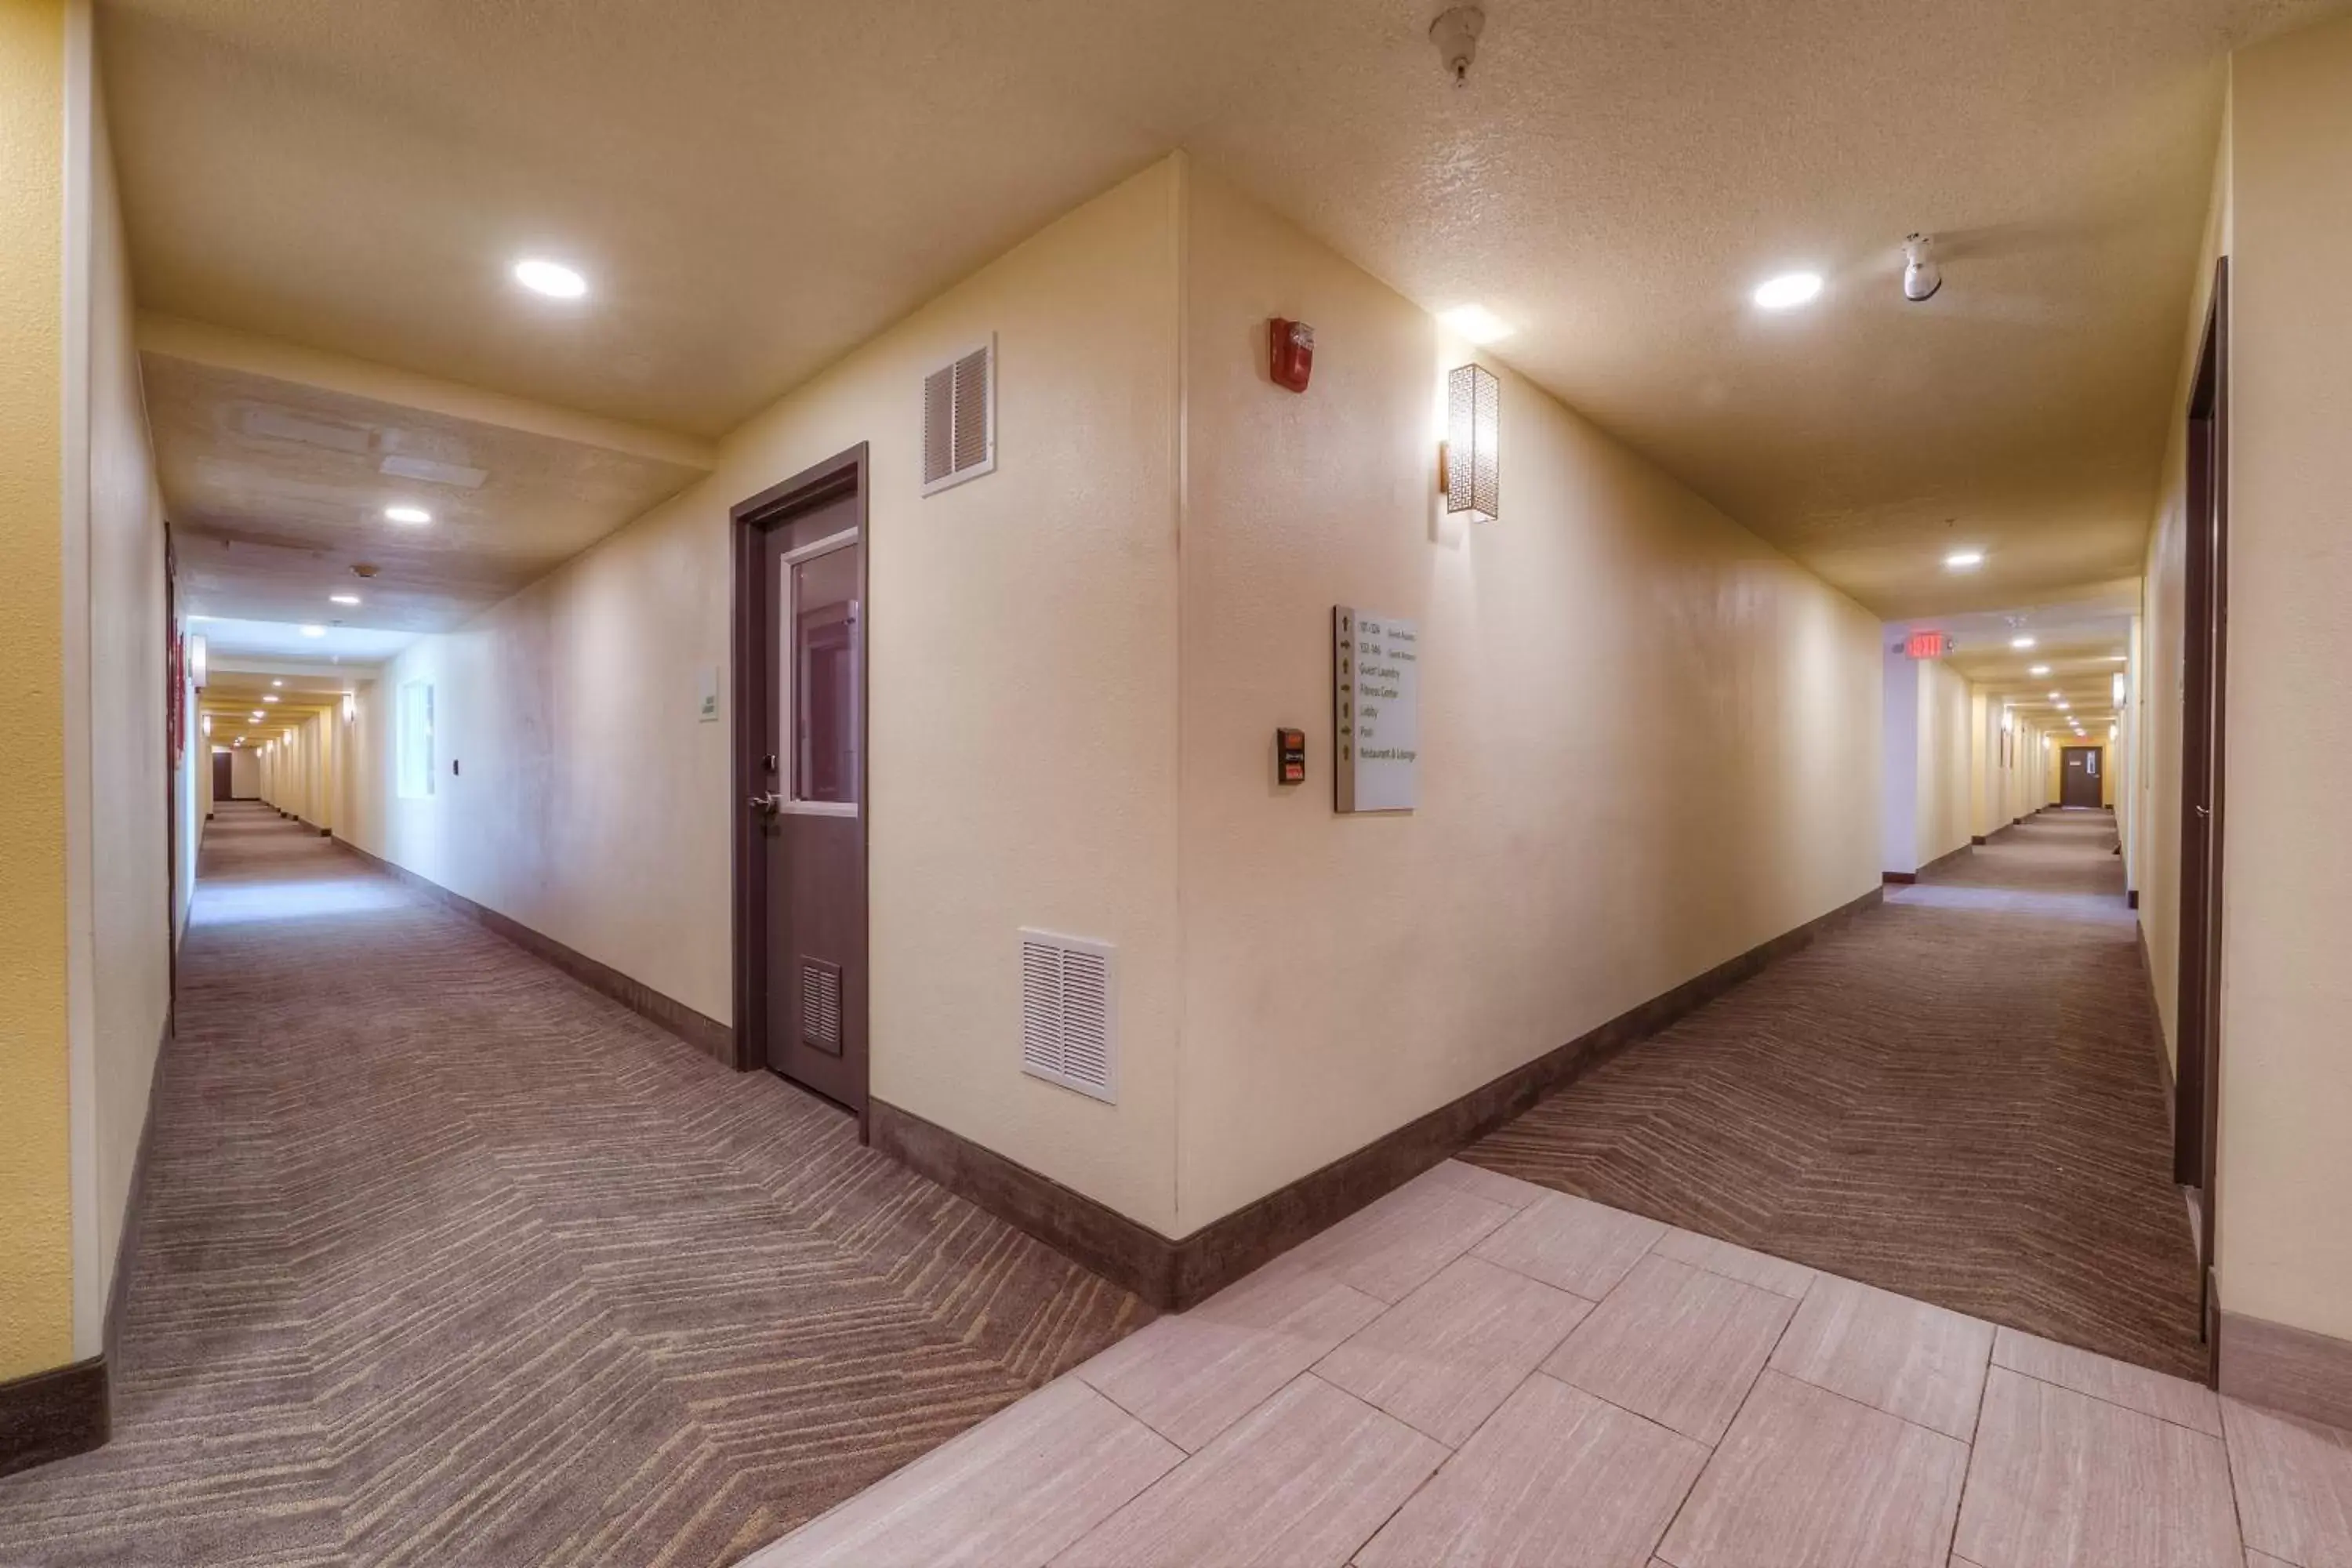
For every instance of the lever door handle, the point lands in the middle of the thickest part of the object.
(770, 803)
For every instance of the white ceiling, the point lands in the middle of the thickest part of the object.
(752, 190)
(229, 637)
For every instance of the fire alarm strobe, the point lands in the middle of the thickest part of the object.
(1290, 755)
(1289, 353)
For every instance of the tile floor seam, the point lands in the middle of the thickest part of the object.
(2221, 1437)
(1968, 1470)
(2229, 1462)
(1080, 1374)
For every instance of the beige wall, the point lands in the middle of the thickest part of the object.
(1023, 753)
(1649, 740)
(1942, 823)
(2287, 1079)
(35, 1197)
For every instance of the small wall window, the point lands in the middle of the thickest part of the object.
(414, 743)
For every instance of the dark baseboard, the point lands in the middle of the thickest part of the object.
(1899, 878)
(2131, 898)
(53, 1415)
(2286, 1369)
(705, 1034)
(1976, 838)
(1175, 1274)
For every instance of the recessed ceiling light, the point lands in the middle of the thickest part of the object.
(342, 599)
(277, 683)
(2055, 696)
(2117, 659)
(2021, 642)
(1477, 323)
(269, 697)
(552, 279)
(259, 714)
(1963, 560)
(314, 631)
(2039, 669)
(1788, 290)
(407, 515)
(200, 617)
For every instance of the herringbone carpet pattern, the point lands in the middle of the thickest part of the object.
(449, 1261)
(1956, 1097)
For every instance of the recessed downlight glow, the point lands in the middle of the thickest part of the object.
(2021, 642)
(314, 631)
(1963, 560)
(342, 599)
(1477, 323)
(2039, 669)
(1788, 290)
(407, 515)
(269, 697)
(259, 714)
(277, 683)
(552, 279)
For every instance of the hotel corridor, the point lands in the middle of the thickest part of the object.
(448, 1260)
(1957, 1095)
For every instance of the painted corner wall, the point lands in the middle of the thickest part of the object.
(36, 1183)
(2286, 1096)
(1024, 664)
(1926, 786)
(1649, 741)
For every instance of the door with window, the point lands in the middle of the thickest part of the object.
(801, 684)
(2078, 782)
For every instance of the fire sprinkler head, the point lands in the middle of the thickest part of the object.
(1455, 34)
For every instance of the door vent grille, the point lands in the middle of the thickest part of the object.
(960, 420)
(1069, 1032)
(821, 1006)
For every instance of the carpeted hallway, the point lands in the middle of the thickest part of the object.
(449, 1261)
(1954, 1096)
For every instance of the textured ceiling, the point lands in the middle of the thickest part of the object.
(278, 491)
(2084, 643)
(753, 189)
(231, 697)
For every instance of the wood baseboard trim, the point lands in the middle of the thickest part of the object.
(53, 1415)
(703, 1033)
(1975, 838)
(2131, 898)
(2286, 1369)
(1175, 1274)
(1900, 879)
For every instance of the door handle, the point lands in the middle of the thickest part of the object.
(770, 804)
(2202, 810)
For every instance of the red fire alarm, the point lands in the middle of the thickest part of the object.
(1290, 352)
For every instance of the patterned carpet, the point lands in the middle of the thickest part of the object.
(451, 1261)
(1956, 1097)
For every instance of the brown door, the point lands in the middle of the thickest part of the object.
(220, 777)
(2204, 676)
(2078, 777)
(801, 680)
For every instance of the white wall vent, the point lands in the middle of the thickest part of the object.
(1069, 1031)
(959, 419)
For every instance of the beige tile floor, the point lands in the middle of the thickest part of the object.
(1474, 1371)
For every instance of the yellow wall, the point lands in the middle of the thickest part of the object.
(1649, 740)
(36, 1202)
(2286, 1078)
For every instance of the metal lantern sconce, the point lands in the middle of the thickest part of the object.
(1469, 460)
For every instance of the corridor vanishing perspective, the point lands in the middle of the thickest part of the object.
(448, 1260)
(1958, 1096)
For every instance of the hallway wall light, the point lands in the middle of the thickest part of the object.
(199, 658)
(351, 707)
(1469, 460)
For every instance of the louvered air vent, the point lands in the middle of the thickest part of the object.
(820, 1005)
(959, 419)
(1069, 1033)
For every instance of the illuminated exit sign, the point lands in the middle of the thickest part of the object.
(1927, 645)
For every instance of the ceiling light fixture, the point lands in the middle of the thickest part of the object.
(2056, 696)
(277, 683)
(342, 599)
(552, 279)
(1787, 291)
(2021, 642)
(2039, 669)
(258, 713)
(1477, 324)
(1963, 560)
(314, 631)
(269, 697)
(2117, 659)
(407, 515)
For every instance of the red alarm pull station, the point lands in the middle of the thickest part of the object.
(1290, 755)
(1290, 352)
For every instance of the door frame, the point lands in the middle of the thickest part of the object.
(843, 475)
(2090, 771)
(2204, 691)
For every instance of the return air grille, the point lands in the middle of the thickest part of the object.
(821, 1006)
(1068, 1010)
(960, 420)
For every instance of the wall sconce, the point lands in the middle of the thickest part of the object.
(2117, 687)
(1469, 460)
(208, 725)
(197, 660)
(351, 707)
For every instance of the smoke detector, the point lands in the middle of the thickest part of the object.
(1455, 34)
(1921, 275)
